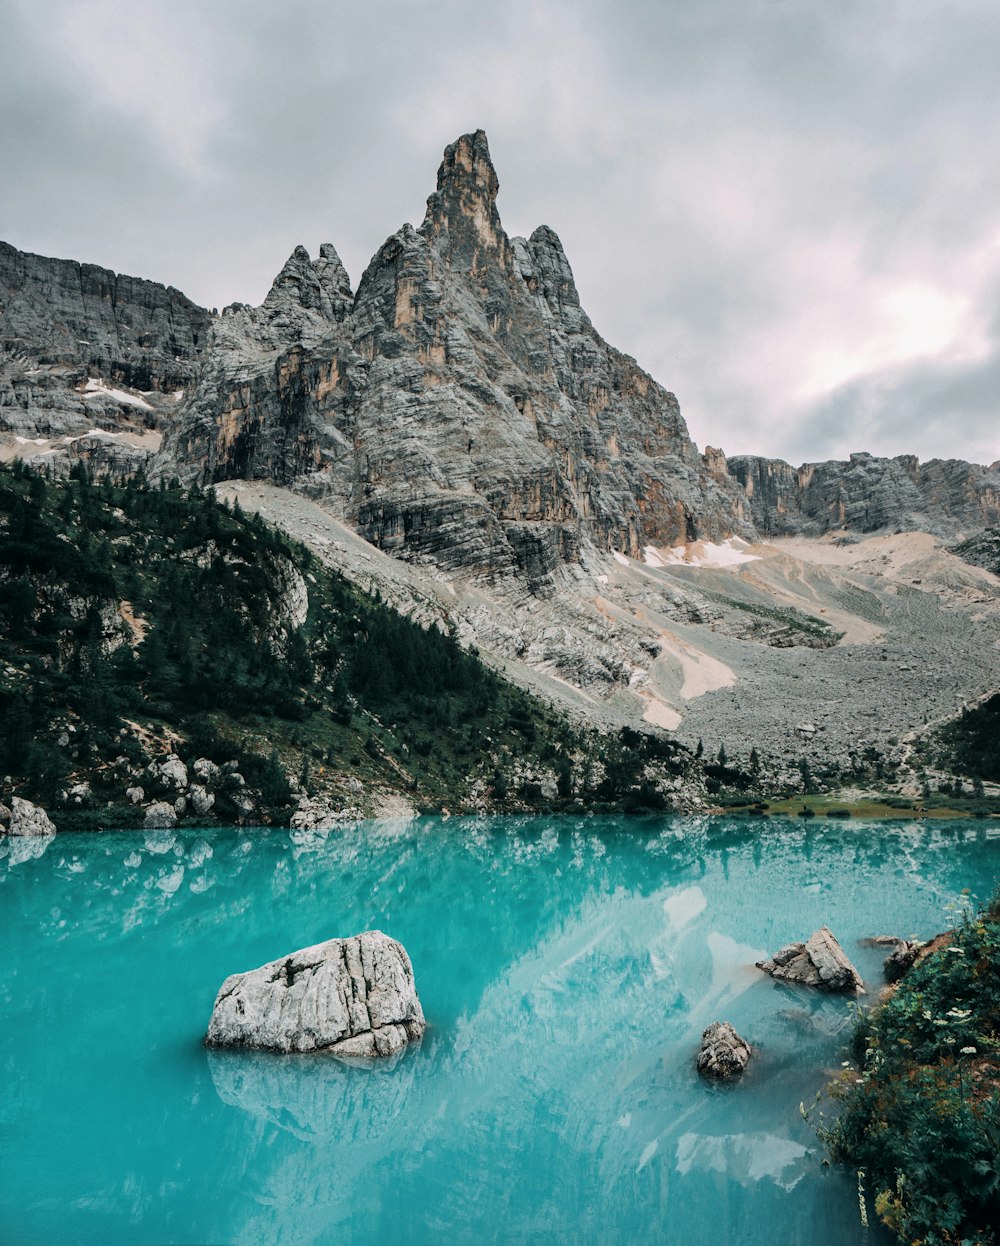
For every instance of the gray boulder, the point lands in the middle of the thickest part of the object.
(160, 816)
(207, 771)
(170, 771)
(201, 800)
(27, 819)
(723, 1054)
(819, 962)
(344, 997)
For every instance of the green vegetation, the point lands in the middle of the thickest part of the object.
(137, 620)
(922, 1121)
(795, 625)
(970, 744)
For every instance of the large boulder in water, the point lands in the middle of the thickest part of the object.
(819, 962)
(345, 997)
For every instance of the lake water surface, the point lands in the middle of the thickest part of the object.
(567, 969)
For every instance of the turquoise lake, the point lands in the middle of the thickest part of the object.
(566, 968)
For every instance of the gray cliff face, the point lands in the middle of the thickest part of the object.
(83, 348)
(867, 493)
(461, 408)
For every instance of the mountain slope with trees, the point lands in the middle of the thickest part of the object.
(141, 624)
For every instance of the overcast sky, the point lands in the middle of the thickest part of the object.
(787, 210)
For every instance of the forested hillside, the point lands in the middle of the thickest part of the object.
(140, 624)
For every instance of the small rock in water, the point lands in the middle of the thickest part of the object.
(819, 962)
(345, 997)
(723, 1055)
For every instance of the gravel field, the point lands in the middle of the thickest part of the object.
(743, 655)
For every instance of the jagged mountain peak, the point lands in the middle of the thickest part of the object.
(546, 272)
(462, 217)
(323, 286)
(463, 410)
(467, 162)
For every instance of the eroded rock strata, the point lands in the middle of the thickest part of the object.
(866, 493)
(91, 362)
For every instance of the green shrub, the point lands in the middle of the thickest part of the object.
(923, 1118)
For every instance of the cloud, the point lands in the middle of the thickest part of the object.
(784, 209)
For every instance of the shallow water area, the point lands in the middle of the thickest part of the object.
(567, 969)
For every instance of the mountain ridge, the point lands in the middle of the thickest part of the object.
(458, 406)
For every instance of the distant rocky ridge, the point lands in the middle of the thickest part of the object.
(866, 494)
(84, 349)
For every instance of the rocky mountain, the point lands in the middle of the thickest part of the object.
(462, 406)
(91, 363)
(865, 494)
(456, 435)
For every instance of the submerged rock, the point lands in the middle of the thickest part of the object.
(26, 819)
(723, 1055)
(819, 962)
(345, 997)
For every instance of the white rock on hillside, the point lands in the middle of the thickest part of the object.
(28, 819)
(160, 816)
(345, 997)
(170, 771)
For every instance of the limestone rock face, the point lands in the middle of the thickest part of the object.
(27, 819)
(83, 348)
(723, 1054)
(867, 493)
(345, 997)
(819, 962)
(461, 408)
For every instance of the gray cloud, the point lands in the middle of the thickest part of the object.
(785, 209)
